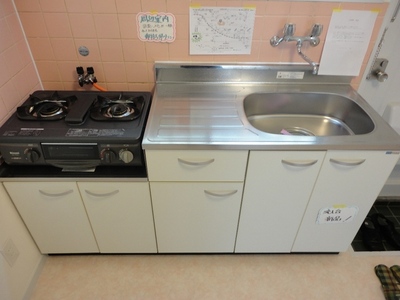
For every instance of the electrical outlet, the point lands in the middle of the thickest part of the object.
(10, 252)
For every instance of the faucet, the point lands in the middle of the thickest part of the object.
(288, 36)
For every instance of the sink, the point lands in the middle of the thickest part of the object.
(306, 114)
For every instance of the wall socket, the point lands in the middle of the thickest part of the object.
(10, 252)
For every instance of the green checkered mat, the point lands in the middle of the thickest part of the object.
(396, 272)
(387, 277)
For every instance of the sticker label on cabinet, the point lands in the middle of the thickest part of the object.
(337, 214)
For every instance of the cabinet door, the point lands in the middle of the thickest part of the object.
(196, 217)
(55, 216)
(347, 179)
(121, 216)
(277, 189)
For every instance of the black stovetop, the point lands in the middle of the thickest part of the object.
(77, 125)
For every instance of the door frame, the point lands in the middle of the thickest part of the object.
(368, 88)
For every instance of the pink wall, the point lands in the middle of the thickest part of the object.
(18, 76)
(56, 28)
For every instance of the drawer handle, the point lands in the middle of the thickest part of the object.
(299, 163)
(196, 163)
(347, 162)
(56, 195)
(102, 195)
(221, 193)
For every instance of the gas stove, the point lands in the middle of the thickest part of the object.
(77, 130)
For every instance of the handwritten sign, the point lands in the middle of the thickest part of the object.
(156, 27)
(337, 214)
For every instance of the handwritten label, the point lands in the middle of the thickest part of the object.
(337, 214)
(156, 27)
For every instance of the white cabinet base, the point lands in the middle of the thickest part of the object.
(55, 216)
(354, 183)
(121, 216)
(277, 189)
(196, 217)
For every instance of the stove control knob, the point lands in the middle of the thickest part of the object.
(32, 155)
(126, 156)
(107, 156)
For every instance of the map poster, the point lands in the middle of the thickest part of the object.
(221, 30)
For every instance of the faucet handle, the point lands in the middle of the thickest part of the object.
(289, 29)
(316, 30)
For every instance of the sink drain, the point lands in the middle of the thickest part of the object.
(298, 131)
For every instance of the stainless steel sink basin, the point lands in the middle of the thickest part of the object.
(306, 114)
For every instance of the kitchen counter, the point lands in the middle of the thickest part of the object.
(201, 107)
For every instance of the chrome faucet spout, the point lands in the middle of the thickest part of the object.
(288, 36)
(307, 59)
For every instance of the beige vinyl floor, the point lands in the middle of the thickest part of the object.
(341, 276)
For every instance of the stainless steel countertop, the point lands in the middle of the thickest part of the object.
(201, 107)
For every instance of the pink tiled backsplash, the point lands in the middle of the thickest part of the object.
(56, 28)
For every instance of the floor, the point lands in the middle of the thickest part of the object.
(348, 275)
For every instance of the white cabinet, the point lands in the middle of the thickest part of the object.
(196, 217)
(55, 216)
(346, 179)
(196, 198)
(121, 216)
(277, 189)
(84, 217)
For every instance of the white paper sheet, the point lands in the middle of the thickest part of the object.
(347, 42)
(221, 30)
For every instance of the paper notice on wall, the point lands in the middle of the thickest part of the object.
(156, 27)
(347, 42)
(221, 30)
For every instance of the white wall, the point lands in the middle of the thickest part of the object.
(18, 77)
(15, 279)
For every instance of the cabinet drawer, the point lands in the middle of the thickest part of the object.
(196, 165)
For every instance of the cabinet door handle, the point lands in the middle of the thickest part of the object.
(57, 194)
(196, 163)
(347, 162)
(299, 163)
(103, 194)
(220, 193)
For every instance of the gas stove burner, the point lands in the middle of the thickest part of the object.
(45, 107)
(118, 108)
(119, 111)
(48, 110)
